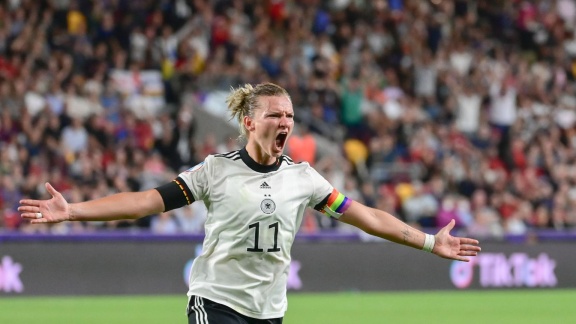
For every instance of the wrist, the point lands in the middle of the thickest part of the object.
(71, 213)
(429, 242)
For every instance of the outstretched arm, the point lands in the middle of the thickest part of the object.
(384, 225)
(125, 205)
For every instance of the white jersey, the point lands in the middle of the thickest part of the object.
(254, 213)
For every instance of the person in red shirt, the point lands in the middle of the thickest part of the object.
(302, 147)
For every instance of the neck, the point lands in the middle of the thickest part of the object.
(258, 155)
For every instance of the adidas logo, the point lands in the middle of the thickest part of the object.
(264, 185)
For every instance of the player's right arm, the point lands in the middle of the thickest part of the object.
(125, 205)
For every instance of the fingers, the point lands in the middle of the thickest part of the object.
(464, 240)
(451, 225)
(468, 253)
(471, 248)
(463, 255)
(29, 209)
(53, 192)
(39, 221)
(30, 202)
(446, 229)
(31, 215)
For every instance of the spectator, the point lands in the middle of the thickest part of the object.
(420, 208)
(229, 144)
(74, 137)
(164, 223)
(191, 218)
(486, 222)
(302, 146)
(487, 109)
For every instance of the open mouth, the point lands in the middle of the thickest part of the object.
(281, 140)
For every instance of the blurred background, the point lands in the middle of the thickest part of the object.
(429, 109)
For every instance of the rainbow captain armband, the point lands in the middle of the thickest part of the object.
(336, 204)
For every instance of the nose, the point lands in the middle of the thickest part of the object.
(284, 121)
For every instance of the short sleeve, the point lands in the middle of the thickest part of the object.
(197, 178)
(327, 199)
(322, 189)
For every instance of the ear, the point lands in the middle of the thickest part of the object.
(249, 124)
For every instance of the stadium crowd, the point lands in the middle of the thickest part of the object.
(458, 109)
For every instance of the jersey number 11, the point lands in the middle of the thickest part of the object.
(256, 248)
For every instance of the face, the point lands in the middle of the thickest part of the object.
(272, 124)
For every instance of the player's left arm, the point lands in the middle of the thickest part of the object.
(382, 224)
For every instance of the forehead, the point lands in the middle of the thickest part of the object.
(275, 103)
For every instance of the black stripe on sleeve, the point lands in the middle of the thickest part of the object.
(323, 203)
(175, 194)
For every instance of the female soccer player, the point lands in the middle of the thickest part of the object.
(256, 198)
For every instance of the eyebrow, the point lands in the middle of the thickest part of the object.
(272, 112)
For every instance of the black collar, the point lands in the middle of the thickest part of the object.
(257, 166)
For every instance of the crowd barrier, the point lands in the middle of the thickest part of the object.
(141, 263)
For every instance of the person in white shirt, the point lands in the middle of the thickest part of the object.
(256, 198)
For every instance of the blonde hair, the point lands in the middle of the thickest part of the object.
(243, 101)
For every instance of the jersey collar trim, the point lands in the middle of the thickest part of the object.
(257, 166)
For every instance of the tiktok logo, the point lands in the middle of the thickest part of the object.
(498, 270)
(10, 276)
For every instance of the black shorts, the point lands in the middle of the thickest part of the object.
(204, 311)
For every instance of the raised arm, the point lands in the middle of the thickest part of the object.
(125, 205)
(385, 225)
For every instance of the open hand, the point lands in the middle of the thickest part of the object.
(52, 210)
(456, 248)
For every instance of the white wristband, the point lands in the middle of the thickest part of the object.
(429, 242)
